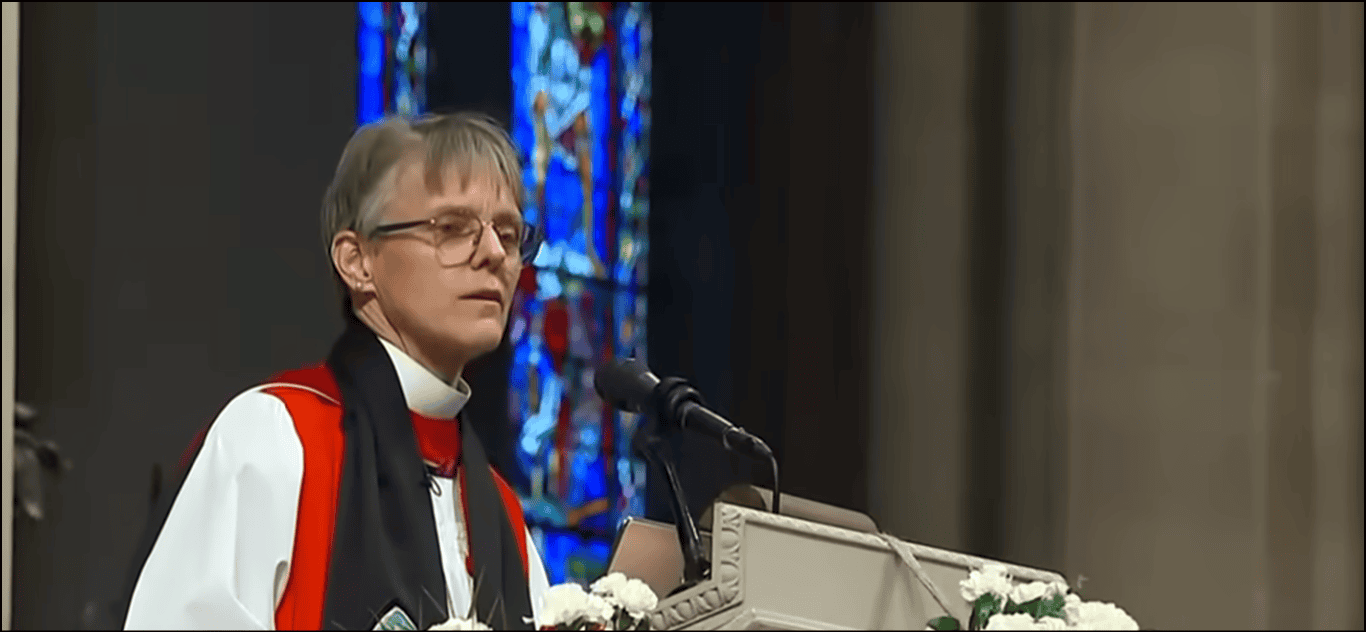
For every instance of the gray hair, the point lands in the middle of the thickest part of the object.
(367, 172)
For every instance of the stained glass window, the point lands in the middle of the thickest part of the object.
(581, 116)
(392, 45)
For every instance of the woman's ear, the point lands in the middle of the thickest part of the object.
(352, 265)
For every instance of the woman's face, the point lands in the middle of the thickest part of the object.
(453, 311)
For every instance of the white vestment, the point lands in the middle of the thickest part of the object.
(223, 557)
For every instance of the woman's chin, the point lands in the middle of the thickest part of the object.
(478, 337)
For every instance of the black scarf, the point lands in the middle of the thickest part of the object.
(384, 547)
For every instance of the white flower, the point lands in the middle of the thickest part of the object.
(564, 603)
(632, 595)
(1071, 608)
(991, 579)
(608, 584)
(1094, 615)
(1010, 622)
(1024, 622)
(454, 623)
(1050, 623)
(1025, 593)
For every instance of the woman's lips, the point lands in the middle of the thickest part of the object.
(493, 297)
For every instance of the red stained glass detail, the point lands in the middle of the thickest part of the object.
(563, 426)
(557, 332)
(526, 284)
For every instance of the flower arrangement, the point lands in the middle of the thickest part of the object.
(611, 603)
(999, 604)
(457, 623)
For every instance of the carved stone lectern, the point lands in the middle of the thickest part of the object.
(773, 571)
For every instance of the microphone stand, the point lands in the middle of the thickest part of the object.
(695, 567)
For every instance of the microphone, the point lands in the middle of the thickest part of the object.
(630, 386)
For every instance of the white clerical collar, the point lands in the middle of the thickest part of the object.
(426, 393)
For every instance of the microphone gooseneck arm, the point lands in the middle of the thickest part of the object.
(773, 463)
(695, 567)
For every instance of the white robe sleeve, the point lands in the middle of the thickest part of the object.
(538, 582)
(222, 558)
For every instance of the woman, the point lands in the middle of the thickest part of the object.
(351, 494)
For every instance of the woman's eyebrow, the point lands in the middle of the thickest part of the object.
(454, 209)
(463, 209)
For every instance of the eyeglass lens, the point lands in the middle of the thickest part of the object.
(458, 236)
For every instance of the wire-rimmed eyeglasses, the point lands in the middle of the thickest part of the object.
(456, 236)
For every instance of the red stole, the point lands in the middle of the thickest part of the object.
(317, 421)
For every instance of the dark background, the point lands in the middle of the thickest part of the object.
(173, 158)
(172, 165)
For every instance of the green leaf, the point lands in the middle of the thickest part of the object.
(944, 623)
(988, 603)
(1032, 607)
(1038, 608)
(982, 609)
(1052, 607)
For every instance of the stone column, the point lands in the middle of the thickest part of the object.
(1180, 425)
(10, 150)
(1166, 306)
(917, 428)
(1214, 317)
(1038, 181)
(1335, 362)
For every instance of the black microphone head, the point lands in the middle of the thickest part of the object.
(626, 384)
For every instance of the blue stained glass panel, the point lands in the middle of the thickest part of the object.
(629, 324)
(562, 327)
(634, 142)
(391, 40)
(562, 103)
(370, 45)
(581, 118)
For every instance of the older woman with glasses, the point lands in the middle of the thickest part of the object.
(351, 494)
